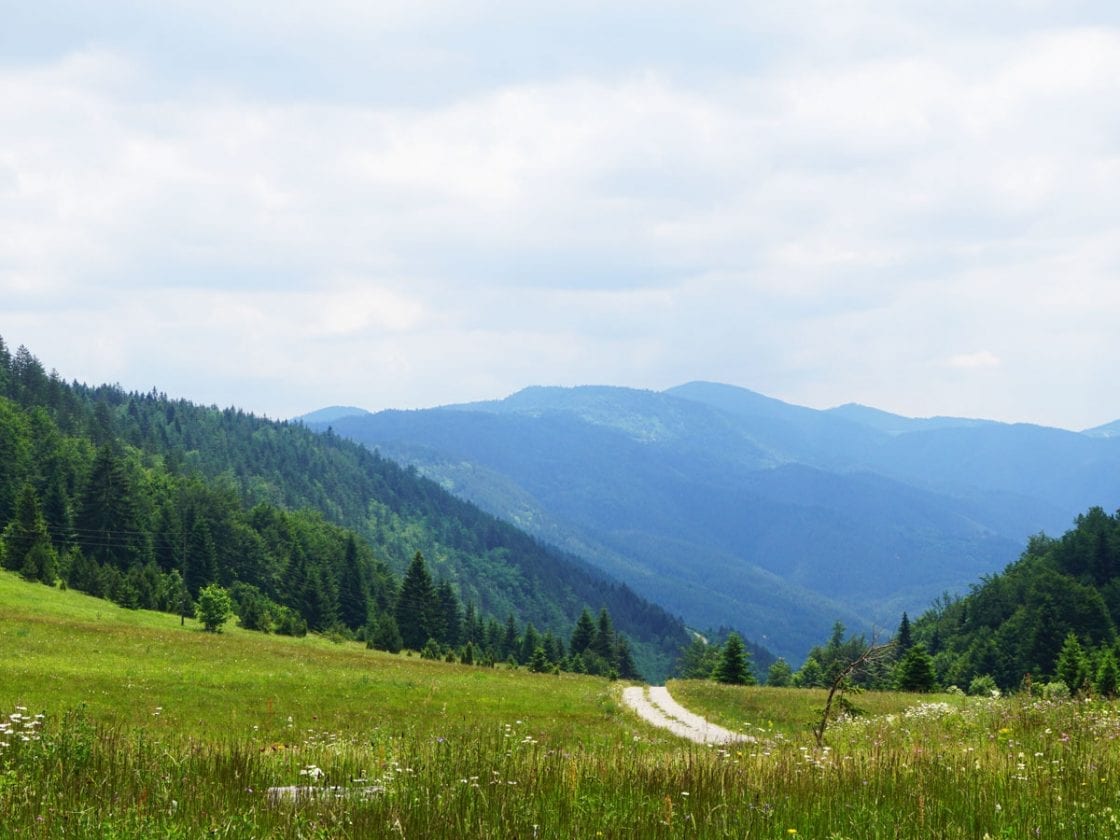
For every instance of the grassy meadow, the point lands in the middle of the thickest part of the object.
(125, 724)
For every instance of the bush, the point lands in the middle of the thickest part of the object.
(214, 607)
(983, 686)
(1056, 690)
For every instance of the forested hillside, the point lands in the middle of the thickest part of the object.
(1052, 614)
(138, 497)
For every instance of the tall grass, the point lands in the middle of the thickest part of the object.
(135, 727)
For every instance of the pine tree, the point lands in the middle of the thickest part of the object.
(538, 661)
(451, 615)
(107, 516)
(904, 638)
(780, 674)
(385, 635)
(603, 642)
(353, 596)
(624, 659)
(530, 641)
(25, 532)
(416, 604)
(1108, 675)
(810, 675)
(733, 667)
(200, 565)
(583, 634)
(915, 671)
(1072, 667)
(510, 644)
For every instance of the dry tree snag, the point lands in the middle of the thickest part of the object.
(873, 653)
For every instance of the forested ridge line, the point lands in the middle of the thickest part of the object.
(311, 528)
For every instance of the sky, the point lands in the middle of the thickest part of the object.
(288, 205)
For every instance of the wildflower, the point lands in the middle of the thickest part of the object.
(791, 831)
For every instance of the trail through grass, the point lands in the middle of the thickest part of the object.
(134, 727)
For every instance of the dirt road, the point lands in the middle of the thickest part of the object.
(655, 706)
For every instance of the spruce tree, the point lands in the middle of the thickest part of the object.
(733, 667)
(1108, 675)
(904, 638)
(451, 615)
(583, 634)
(385, 635)
(530, 641)
(416, 604)
(27, 530)
(107, 517)
(624, 659)
(538, 661)
(915, 671)
(780, 674)
(1072, 667)
(603, 642)
(353, 597)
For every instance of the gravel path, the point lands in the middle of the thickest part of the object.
(654, 705)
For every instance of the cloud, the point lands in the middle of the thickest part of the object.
(970, 361)
(825, 206)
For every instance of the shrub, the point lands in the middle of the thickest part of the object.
(214, 607)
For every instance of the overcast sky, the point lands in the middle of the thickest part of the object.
(287, 205)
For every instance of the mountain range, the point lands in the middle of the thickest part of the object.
(731, 508)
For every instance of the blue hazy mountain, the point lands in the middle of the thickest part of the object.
(729, 507)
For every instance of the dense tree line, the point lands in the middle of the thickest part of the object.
(147, 500)
(1052, 615)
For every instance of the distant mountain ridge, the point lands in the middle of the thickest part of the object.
(731, 507)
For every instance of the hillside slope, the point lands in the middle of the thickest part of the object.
(237, 477)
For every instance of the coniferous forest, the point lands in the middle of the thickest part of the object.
(146, 500)
(1051, 616)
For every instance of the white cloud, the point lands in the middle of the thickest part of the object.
(829, 215)
(979, 359)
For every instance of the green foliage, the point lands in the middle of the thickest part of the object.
(914, 671)
(780, 674)
(733, 667)
(1107, 678)
(386, 635)
(214, 607)
(810, 674)
(1072, 666)
(1019, 622)
(982, 686)
(136, 496)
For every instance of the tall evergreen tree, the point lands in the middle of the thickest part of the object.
(200, 565)
(510, 644)
(915, 670)
(624, 660)
(26, 531)
(416, 604)
(583, 634)
(1108, 675)
(451, 615)
(603, 642)
(107, 521)
(733, 667)
(1072, 667)
(904, 638)
(353, 596)
(530, 641)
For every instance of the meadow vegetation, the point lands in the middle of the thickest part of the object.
(122, 723)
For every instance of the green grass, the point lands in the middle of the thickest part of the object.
(791, 713)
(423, 749)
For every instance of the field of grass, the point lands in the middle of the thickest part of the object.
(149, 729)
